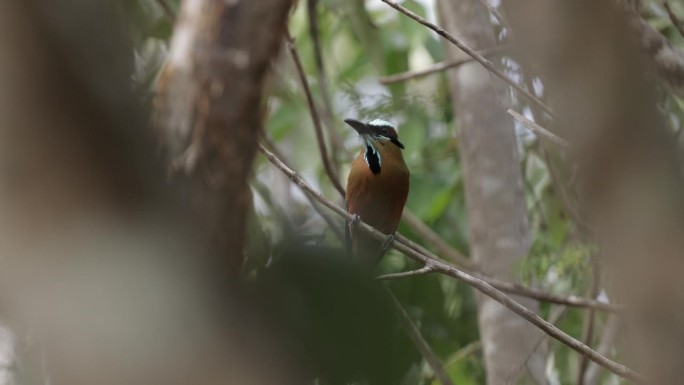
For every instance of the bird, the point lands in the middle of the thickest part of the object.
(377, 188)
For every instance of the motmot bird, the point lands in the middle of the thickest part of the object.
(377, 188)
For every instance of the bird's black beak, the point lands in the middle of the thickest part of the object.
(360, 127)
(397, 142)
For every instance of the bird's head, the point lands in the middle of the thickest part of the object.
(375, 130)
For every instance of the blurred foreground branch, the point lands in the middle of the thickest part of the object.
(594, 58)
(209, 109)
(101, 260)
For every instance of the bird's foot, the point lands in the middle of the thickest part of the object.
(388, 242)
(355, 220)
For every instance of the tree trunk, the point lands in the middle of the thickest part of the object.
(632, 183)
(499, 228)
(209, 109)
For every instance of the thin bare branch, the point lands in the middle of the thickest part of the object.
(339, 233)
(423, 347)
(540, 131)
(431, 237)
(473, 281)
(458, 356)
(439, 67)
(545, 151)
(167, 9)
(608, 334)
(472, 53)
(674, 18)
(412, 273)
(464, 352)
(336, 145)
(572, 300)
(665, 57)
(497, 15)
(568, 204)
(590, 317)
(554, 317)
(314, 116)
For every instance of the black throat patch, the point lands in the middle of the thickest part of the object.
(373, 160)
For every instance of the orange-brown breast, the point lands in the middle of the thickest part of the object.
(377, 198)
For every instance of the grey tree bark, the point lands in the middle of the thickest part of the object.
(499, 229)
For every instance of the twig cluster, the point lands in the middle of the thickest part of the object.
(486, 63)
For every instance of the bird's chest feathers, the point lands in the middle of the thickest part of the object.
(381, 193)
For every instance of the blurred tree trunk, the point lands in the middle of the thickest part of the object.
(209, 109)
(98, 260)
(499, 228)
(592, 59)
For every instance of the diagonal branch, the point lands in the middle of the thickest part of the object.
(674, 18)
(539, 130)
(572, 300)
(339, 233)
(497, 15)
(314, 116)
(167, 9)
(590, 317)
(422, 271)
(473, 281)
(422, 345)
(314, 31)
(439, 67)
(460, 354)
(472, 53)
(429, 235)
